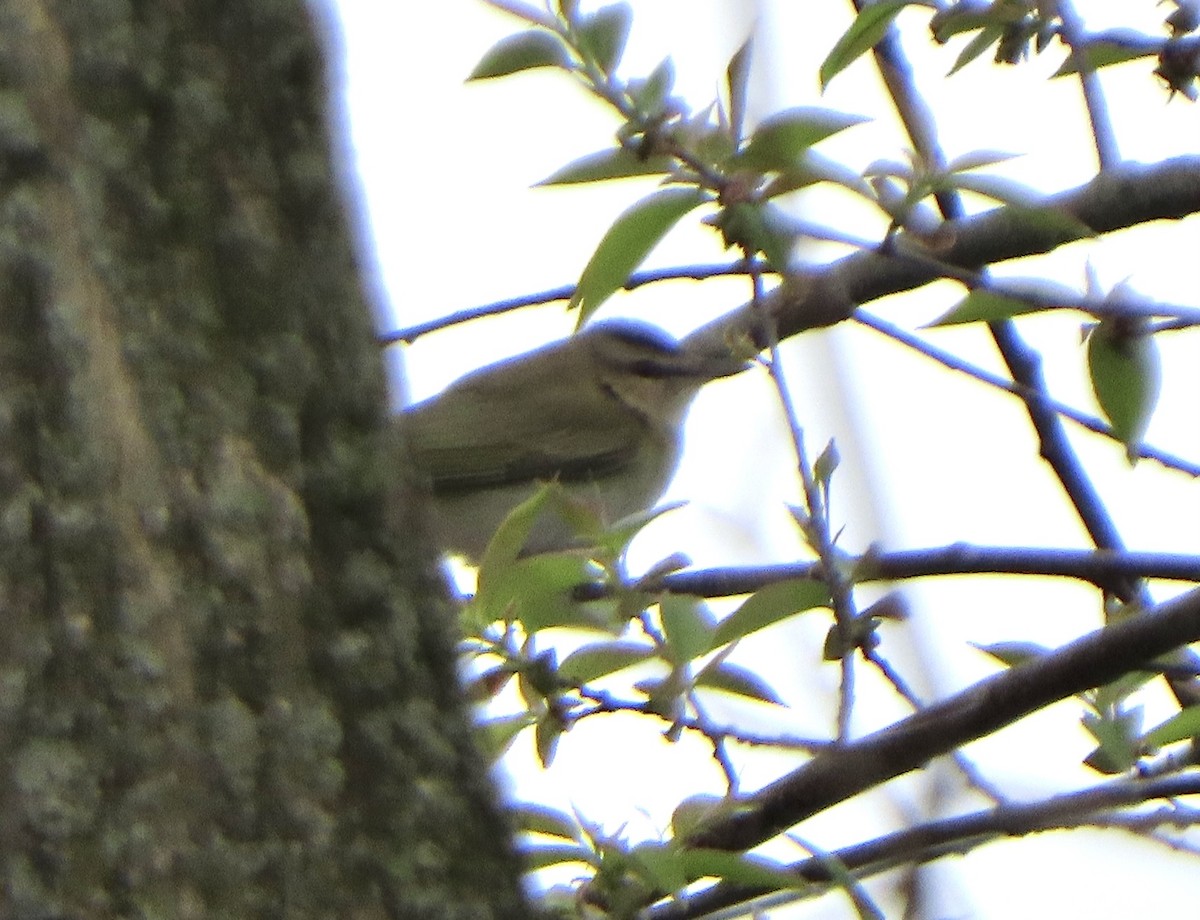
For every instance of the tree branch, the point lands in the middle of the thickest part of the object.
(840, 773)
(1099, 567)
(1116, 199)
(929, 841)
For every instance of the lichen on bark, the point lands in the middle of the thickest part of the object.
(227, 688)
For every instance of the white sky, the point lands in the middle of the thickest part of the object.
(929, 458)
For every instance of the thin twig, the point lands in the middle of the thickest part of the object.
(1071, 33)
(1098, 567)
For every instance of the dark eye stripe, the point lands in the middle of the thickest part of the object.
(648, 367)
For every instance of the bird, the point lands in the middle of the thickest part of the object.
(600, 413)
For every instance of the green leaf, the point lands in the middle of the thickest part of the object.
(961, 17)
(771, 605)
(530, 14)
(737, 869)
(613, 541)
(617, 163)
(998, 188)
(809, 169)
(541, 819)
(694, 811)
(757, 227)
(1117, 734)
(869, 27)
(539, 857)
(987, 37)
(627, 243)
(863, 633)
(513, 533)
(482, 687)
(660, 865)
(1012, 654)
(737, 76)
(977, 159)
(1182, 726)
(537, 591)
(600, 659)
(687, 625)
(498, 735)
(826, 463)
(986, 307)
(523, 51)
(651, 95)
(779, 142)
(1105, 52)
(1114, 693)
(1126, 373)
(602, 35)
(739, 681)
(546, 733)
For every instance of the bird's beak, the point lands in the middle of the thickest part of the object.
(713, 366)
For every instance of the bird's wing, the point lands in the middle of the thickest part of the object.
(470, 437)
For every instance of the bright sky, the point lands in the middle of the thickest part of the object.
(929, 459)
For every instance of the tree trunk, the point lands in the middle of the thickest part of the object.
(227, 680)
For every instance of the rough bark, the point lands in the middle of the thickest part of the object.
(226, 682)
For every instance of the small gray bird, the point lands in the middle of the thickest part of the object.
(601, 413)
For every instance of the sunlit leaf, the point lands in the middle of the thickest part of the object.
(617, 163)
(482, 687)
(826, 463)
(1119, 745)
(694, 811)
(985, 306)
(1126, 373)
(603, 34)
(513, 533)
(737, 869)
(1012, 654)
(769, 605)
(523, 11)
(660, 865)
(523, 51)
(497, 735)
(810, 168)
(869, 27)
(651, 94)
(546, 733)
(627, 243)
(592, 662)
(961, 17)
(998, 188)
(862, 634)
(756, 228)
(734, 679)
(1182, 726)
(535, 589)
(687, 625)
(976, 46)
(1104, 52)
(737, 76)
(616, 537)
(539, 857)
(542, 819)
(977, 159)
(781, 139)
